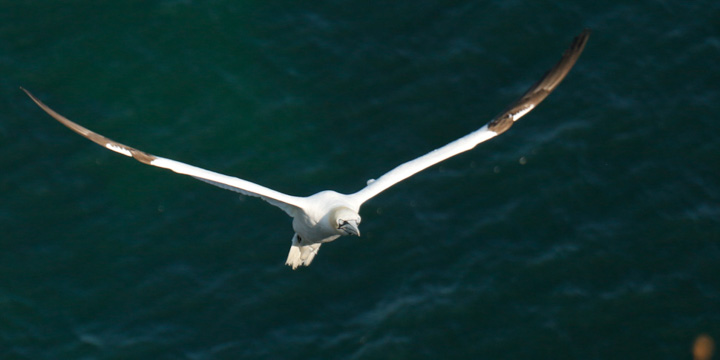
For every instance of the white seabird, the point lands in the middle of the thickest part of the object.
(327, 215)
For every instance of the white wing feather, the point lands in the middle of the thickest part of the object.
(412, 167)
(530, 99)
(289, 204)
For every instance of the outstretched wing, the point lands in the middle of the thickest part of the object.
(532, 97)
(289, 204)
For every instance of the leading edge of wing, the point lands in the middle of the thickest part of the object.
(286, 202)
(499, 124)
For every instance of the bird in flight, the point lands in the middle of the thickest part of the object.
(327, 215)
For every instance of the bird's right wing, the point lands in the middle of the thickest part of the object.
(528, 101)
(289, 204)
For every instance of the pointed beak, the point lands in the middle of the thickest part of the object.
(351, 228)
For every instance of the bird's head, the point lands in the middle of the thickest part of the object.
(345, 220)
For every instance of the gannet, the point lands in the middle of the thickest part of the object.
(327, 215)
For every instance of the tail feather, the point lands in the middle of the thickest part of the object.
(301, 254)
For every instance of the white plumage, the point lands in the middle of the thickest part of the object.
(327, 215)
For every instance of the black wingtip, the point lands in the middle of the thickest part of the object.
(581, 40)
(543, 87)
(28, 93)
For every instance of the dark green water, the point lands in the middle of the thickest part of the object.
(589, 231)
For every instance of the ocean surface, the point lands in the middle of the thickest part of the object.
(590, 230)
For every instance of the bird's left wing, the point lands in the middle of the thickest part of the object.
(289, 204)
(532, 97)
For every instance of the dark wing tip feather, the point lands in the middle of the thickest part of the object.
(541, 89)
(555, 75)
(138, 155)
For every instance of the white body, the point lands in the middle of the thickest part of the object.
(316, 224)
